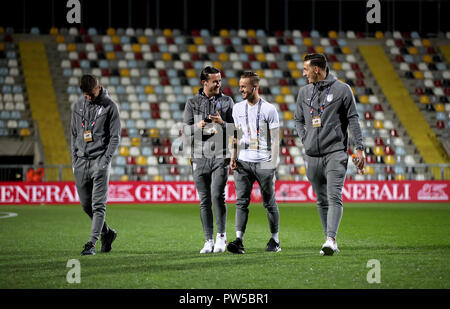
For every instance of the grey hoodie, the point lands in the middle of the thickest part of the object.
(106, 132)
(202, 143)
(339, 114)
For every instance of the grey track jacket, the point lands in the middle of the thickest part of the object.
(338, 115)
(196, 109)
(106, 132)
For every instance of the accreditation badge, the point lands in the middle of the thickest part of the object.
(253, 144)
(316, 122)
(87, 136)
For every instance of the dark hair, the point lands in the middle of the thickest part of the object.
(318, 60)
(254, 78)
(204, 74)
(88, 82)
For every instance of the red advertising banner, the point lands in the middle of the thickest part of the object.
(185, 192)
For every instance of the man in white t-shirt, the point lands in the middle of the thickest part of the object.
(254, 158)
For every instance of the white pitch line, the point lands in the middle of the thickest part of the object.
(4, 215)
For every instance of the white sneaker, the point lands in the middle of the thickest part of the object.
(221, 243)
(329, 247)
(208, 247)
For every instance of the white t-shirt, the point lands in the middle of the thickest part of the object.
(253, 148)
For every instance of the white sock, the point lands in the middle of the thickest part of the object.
(240, 235)
(275, 237)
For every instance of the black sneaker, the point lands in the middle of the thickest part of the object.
(236, 246)
(273, 246)
(108, 239)
(89, 249)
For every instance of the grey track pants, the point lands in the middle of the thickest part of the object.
(327, 176)
(244, 177)
(210, 178)
(91, 180)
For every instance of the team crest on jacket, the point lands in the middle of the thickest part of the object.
(329, 97)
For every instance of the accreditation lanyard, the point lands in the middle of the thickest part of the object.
(322, 107)
(83, 120)
(257, 121)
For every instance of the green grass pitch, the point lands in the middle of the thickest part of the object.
(158, 247)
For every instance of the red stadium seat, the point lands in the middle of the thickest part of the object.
(378, 108)
(379, 141)
(284, 151)
(393, 132)
(440, 124)
(131, 160)
(388, 150)
(288, 160)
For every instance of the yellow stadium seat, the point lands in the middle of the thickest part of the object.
(279, 98)
(427, 59)
(125, 72)
(192, 49)
(302, 170)
(141, 160)
(364, 99)
(167, 32)
(115, 39)
(54, 30)
(378, 151)
(124, 178)
(261, 57)
(439, 107)
(153, 133)
(292, 65)
(248, 49)
(389, 160)
(426, 42)
(71, 47)
(2, 46)
(195, 90)
(2, 30)
(296, 74)
(285, 90)
(346, 50)
(198, 40)
(135, 141)
(424, 99)
(307, 42)
(224, 33)
(412, 50)
(251, 33)
(142, 40)
(149, 90)
(233, 82)
(136, 48)
(166, 56)
(217, 65)
(378, 124)
(287, 115)
(60, 39)
(111, 31)
(354, 93)
(399, 177)
(332, 34)
(418, 75)
(320, 49)
(157, 178)
(191, 73)
(337, 66)
(124, 151)
(260, 73)
(24, 132)
(368, 170)
(379, 35)
(223, 57)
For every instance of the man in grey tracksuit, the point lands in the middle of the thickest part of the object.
(326, 108)
(95, 129)
(206, 117)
